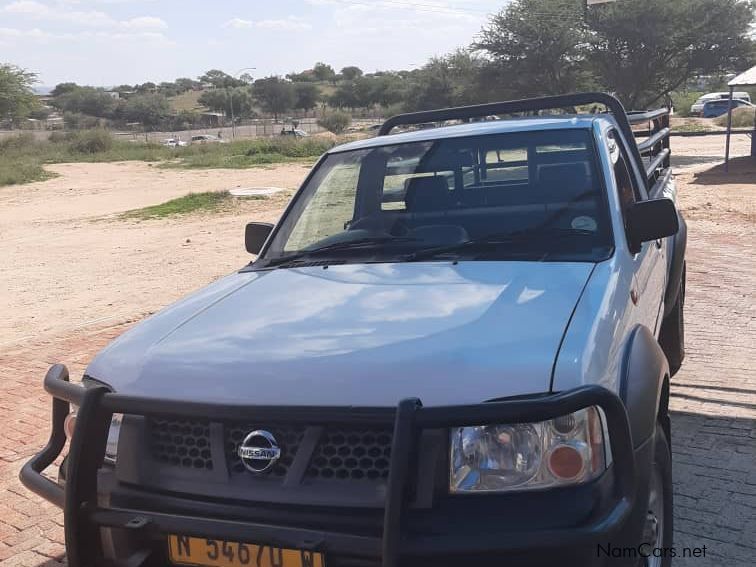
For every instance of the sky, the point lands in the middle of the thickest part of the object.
(112, 42)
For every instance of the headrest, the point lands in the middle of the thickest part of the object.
(427, 194)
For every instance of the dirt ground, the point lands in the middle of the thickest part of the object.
(69, 261)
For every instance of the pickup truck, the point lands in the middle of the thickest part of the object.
(455, 346)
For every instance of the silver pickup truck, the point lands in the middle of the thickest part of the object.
(455, 347)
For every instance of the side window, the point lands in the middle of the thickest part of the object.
(627, 192)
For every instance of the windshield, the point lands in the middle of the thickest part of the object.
(526, 195)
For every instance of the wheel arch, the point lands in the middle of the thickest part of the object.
(644, 384)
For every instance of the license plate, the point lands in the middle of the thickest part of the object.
(184, 550)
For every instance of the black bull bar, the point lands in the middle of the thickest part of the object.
(84, 516)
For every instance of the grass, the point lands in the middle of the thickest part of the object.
(690, 127)
(741, 118)
(188, 100)
(22, 157)
(210, 201)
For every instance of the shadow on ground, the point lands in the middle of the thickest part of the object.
(742, 170)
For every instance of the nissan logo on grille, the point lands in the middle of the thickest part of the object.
(259, 451)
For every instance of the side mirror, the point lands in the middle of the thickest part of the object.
(651, 220)
(255, 236)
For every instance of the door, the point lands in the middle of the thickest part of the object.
(649, 265)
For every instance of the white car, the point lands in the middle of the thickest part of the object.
(174, 143)
(698, 106)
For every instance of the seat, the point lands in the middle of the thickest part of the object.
(563, 182)
(427, 194)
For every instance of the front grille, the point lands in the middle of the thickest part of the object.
(184, 443)
(288, 438)
(357, 454)
(341, 453)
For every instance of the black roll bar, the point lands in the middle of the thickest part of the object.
(84, 515)
(658, 133)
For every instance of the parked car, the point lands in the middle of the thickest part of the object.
(697, 108)
(295, 132)
(478, 371)
(207, 139)
(174, 143)
(714, 108)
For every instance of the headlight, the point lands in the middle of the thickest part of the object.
(524, 456)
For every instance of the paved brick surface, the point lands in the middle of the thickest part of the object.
(713, 403)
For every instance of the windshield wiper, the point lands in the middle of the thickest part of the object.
(304, 255)
(496, 239)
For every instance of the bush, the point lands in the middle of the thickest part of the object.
(91, 141)
(741, 118)
(682, 101)
(335, 122)
(17, 143)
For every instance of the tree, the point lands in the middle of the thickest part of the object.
(388, 88)
(306, 96)
(452, 80)
(63, 88)
(335, 122)
(16, 95)
(344, 96)
(149, 109)
(184, 84)
(645, 53)
(86, 100)
(220, 80)
(274, 95)
(324, 72)
(351, 73)
(220, 100)
(537, 47)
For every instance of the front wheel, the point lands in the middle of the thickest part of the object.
(657, 532)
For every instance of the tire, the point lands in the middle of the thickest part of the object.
(672, 334)
(660, 505)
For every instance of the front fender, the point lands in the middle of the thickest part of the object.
(643, 371)
(676, 265)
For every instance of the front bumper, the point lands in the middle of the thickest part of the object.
(563, 524)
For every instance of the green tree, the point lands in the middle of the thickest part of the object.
(63, 88)
(150, 109)
(274, 95)
(335, 122)
(537, 47)
(351, 73)
(646, 53)
(17, 98)
(324, 72)
(86, 100)
(220, 80)
(184, 84)
(388, 88)
(220, 100)
(452, 80)
(306, 96)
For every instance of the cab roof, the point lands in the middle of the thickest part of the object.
(505, 126)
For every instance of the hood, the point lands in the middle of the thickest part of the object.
(354, 335)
